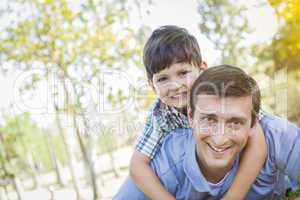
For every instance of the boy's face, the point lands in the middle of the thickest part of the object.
(221, 128)
(172, 84)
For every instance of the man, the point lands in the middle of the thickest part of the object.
(201, 163)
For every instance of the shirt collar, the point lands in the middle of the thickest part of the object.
(192, 169)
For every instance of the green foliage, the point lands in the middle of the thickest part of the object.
(292, 195)
(225, 24)
(25, 147)
(284, 52)
(18, 133)
(76, 41)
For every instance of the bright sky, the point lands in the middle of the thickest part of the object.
(163, 12)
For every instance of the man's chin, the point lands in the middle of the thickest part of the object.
(222, 164)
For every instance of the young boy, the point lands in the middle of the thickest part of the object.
(173, 61)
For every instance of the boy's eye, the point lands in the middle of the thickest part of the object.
(161, 79)
(182, 73)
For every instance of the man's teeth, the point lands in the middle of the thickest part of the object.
(218, 149)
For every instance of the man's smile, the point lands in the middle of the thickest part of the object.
(218, 150)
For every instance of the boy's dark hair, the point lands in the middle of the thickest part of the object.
(168, 45)
(226, 81)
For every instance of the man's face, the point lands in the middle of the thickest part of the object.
(220, 127)
(172, 84)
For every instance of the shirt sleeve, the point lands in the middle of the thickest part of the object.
(160, 122)
(148, 142)
(285, 137)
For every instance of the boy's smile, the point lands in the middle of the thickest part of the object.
(173, 83)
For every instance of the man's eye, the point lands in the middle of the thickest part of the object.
(236, 124)
(208, 119)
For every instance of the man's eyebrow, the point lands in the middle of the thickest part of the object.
(211, 114)
(241, 119)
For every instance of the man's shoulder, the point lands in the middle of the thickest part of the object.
(272, 123)
(277, 129)
(177, 139)
(173, 150)
(180, 134)
(282, 138)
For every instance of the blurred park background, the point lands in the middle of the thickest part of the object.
(74, 92)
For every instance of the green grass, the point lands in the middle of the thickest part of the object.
(292, 195)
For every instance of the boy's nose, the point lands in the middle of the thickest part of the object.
(174, 85)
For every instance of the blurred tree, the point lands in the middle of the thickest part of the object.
(225, 24)
(21, 140)
(283, 53)
(286, 44)
(73, 43)
(286, 50)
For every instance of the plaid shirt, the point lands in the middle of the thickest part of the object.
(161, 120)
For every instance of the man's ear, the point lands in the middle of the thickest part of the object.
(255, 128)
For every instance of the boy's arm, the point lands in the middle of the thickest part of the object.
(251, 164)
(145, 178)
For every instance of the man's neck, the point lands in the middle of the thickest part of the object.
(213, 175)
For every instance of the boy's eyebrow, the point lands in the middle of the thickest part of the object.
(160, 75)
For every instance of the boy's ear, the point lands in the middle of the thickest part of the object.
(204, 65)
(151, 84)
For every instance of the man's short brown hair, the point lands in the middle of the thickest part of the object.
(226, 81)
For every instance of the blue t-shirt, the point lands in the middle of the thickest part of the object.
(177, 168)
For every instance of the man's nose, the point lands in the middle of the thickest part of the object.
(220, 129)
(218, 140)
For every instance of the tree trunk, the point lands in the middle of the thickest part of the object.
(30, 161)
(112, 163)
(87, 161)
(68, 151)
(92, 153)
(8, 175)
(54, 160)
(17, 187)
